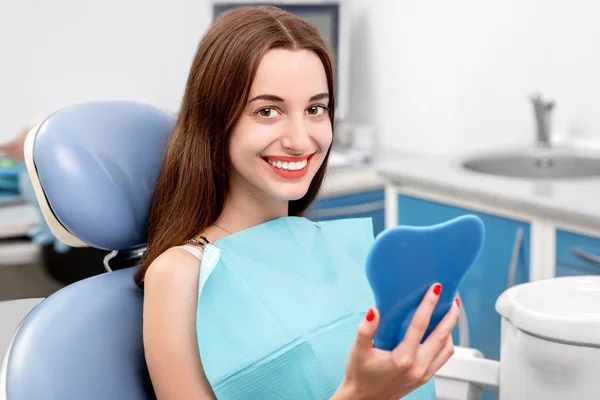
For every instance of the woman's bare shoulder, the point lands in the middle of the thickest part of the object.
(175, 267)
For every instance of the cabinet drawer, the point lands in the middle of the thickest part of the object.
(372, 199)
(577, 254)
(369, 204)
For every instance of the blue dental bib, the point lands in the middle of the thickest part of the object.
(279, 305)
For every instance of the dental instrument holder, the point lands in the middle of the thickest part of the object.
(405, 261)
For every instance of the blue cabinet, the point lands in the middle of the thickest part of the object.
(367, 204)
(577, 254)
(489, 277)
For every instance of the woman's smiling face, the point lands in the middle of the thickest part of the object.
(281, 140)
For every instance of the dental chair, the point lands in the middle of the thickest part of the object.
(93, 167)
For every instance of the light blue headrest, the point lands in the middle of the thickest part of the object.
(97, 165)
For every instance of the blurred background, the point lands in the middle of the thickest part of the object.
(446, 108)
(431, 76)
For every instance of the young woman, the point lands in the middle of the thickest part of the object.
(245, 298)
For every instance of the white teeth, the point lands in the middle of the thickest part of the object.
(289, 166)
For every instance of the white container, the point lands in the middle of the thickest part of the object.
(550, 340)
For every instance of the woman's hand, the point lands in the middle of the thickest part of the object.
(372, 373)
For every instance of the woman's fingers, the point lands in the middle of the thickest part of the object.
(442, 357)
(422, 316)
(366, 331)
(439, 337)
(405, 354)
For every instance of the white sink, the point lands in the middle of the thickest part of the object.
(537, 163)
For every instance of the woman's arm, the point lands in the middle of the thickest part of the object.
(170, 340)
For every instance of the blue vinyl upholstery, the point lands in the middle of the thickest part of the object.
(97, 164)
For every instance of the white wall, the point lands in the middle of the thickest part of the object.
(457, 75)
(66, 51)
(15, 42)
(434, 76)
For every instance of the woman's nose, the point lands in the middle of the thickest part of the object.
(296, 137)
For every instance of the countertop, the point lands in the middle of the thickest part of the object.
(348, 173)
(573, 201)
(17, 220)
(350, 180)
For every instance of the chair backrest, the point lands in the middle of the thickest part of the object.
(93, 167)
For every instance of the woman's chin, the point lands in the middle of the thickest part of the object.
(290, 192)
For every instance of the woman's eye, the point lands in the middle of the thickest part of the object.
(316, 110)
(267, 112)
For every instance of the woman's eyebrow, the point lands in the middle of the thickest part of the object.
(272, 97)
(319, 96)
(269, 97)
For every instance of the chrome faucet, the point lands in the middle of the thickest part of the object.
(542, 110)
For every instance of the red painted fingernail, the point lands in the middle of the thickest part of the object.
(457, 302)
(437, 289)
(370, 315)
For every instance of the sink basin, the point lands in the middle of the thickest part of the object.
(539, 164)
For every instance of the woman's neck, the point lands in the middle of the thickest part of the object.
(243, 210)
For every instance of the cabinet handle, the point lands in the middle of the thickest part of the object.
(347, 210)
(584, 254)
(514, 259)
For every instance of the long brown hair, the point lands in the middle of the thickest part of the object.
(194, 177)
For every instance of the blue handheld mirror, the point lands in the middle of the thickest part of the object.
(405, 261)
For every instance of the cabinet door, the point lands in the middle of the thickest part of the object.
(369, 204)
(488, 278)
(577, 254)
